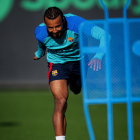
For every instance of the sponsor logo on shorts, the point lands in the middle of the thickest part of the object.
(54, 72)
(70, 39)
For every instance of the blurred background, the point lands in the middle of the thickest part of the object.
(26, 103)
(18, 20)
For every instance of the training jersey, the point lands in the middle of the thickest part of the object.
(65, 48)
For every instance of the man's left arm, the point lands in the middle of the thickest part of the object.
(99, 34)
(93, 31)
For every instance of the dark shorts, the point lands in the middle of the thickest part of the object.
(69, 71)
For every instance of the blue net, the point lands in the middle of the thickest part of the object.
(95, 81)
(118, 80)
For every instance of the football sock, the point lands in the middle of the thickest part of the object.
(60, 137)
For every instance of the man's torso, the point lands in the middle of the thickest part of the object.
(64, 48)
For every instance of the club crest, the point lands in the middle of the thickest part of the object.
(70, 39)
(54, 72)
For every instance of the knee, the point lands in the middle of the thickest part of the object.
(61, 105)
(76, 89)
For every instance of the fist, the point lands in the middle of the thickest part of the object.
(35, 58)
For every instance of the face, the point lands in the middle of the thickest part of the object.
(54, 26)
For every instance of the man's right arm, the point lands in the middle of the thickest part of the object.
(40, 34)
(41, 51)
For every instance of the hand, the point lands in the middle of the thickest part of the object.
(96, 62)
(35, 58)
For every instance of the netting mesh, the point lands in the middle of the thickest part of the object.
(95, 81)
(117, 60)
(134, 34)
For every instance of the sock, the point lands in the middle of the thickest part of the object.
(60, 137)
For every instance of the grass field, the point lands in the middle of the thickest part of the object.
(27, 115)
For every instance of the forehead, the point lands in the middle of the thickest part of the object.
(53, 22)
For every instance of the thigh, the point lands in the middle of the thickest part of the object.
(59, 89)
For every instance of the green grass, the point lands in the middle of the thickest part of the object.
(27, 115)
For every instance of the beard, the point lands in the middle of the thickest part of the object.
(57, 34)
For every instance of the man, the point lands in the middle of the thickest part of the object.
(59, 33)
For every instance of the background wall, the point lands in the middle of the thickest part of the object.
(18, 20)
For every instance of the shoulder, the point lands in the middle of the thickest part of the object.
(73, 22)
(41, 32)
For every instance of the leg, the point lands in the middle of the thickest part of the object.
(75, 88)
(60, 92)
(75, 78)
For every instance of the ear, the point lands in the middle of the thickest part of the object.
(64, 19)
(45, 23)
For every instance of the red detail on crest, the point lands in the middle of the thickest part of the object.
(70, 39)
(54, 73)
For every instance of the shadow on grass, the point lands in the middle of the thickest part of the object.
(9, 124)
